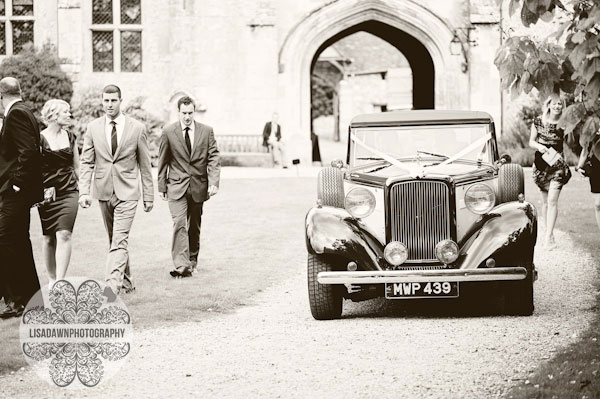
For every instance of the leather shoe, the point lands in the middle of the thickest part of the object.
(180, 273)
(12, 310)
(128, 290)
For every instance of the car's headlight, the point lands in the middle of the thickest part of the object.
(395, 253)
(360, 202)
(446, 251)
(480, 198)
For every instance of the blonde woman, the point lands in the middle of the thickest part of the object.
(550, 178)
(60, 166)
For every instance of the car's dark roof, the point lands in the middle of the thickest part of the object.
(419, 117)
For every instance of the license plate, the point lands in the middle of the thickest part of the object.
(436, 289)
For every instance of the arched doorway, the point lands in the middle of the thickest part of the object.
(363, 69)
(419, 59)
(407, 25)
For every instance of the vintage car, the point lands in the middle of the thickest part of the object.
(422, 208)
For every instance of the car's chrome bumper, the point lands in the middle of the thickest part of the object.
(422, 276)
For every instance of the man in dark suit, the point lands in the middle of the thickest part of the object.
(188, 175)
(272, 140)
(20, 187)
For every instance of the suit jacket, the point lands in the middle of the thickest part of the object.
(267, 133)
(20, 158)
(178, 169)
(118, 173)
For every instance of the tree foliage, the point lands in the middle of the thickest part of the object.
(39, 74)
(324, 81)
(568, 60)
(322, 94)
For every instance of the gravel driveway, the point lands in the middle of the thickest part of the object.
(273, 347)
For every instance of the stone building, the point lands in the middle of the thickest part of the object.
(243, 59)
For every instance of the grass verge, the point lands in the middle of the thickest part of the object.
(252, 236)
(574, 372)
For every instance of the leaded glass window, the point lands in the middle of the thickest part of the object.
(16, 26)
(102, 44)
(131, 51)
(131, 12)
(102, 12)
(22, 35)
(2, 37)
(22, 7)
(116, 36)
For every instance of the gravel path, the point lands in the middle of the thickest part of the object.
(273, 347)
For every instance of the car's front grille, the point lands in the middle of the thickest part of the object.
(420, 217)
(418, 267)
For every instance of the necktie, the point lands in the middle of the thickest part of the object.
(188, 143)
(113, 137)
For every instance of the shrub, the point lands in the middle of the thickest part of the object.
(153, 126)
(87, 106)
(515, 139)
(40, 76)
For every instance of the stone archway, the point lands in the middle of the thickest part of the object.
(334, 20)
(419, 59)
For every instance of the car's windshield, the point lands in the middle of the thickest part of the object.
(447, 143)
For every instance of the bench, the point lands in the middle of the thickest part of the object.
(243, 150)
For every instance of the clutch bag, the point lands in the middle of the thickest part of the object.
(49, 196)
(551, 156)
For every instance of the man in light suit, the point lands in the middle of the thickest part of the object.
(20, 187)
(188, 175)
(116, 151)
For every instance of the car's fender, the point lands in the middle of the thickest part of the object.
(507, 234)
(334, 231)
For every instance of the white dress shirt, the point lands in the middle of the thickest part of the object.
(190, 132)
(10, 104)
(120, 126)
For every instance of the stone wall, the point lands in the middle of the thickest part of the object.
(242, 60)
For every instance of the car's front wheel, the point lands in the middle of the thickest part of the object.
(518, 296)
(325, 299)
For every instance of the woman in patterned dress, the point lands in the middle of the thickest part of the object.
(60, 166)
(549, 178)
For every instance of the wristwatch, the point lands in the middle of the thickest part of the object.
(16, 188)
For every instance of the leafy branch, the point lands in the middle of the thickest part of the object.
(566, 61)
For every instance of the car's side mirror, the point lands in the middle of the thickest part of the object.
(337, 163)
(505, 158)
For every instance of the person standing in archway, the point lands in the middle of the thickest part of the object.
(272, 140)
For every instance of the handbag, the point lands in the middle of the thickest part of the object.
(551, 156)
(587, 165)
(49, 196)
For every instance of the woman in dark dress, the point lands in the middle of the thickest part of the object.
(60, 166)
(591, 148)
(549, 178)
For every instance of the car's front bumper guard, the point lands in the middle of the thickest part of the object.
(422, 276)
